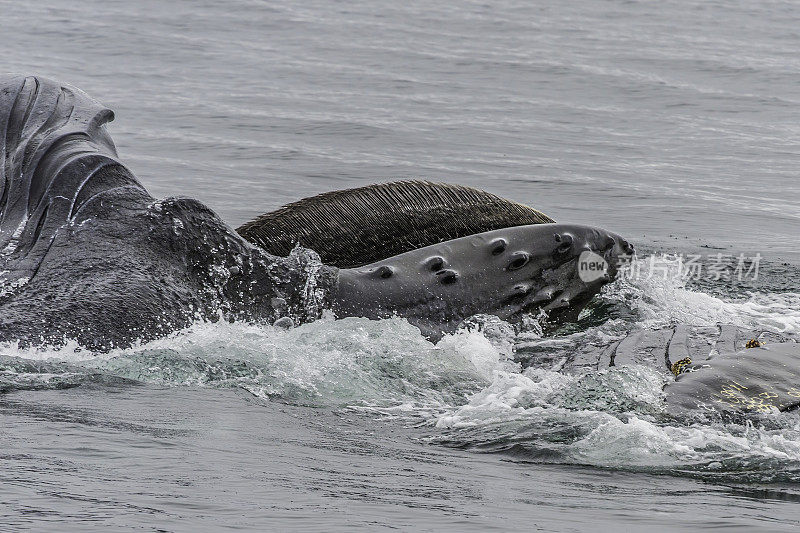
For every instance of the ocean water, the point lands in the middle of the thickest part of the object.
(676, 124)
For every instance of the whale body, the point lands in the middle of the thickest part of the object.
(87, 254)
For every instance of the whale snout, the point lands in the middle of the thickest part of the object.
(558, 268)
(620, 253)
(602, 253)
(585, 259)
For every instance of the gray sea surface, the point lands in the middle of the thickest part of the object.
(673, 123)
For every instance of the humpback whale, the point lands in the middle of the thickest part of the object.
(87, 254)
(722, 369)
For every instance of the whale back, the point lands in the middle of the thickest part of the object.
(355, 227)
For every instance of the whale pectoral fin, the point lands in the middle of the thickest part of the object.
(356, 227)
(759, 379)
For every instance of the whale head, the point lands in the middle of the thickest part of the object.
(507, 272)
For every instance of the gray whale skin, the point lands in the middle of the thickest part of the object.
(87, 254)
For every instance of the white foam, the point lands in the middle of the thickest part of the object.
(663, 300)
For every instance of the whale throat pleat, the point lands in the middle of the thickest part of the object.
(354, 227)
(56, 154)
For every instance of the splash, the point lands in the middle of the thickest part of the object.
(328, 362)
(664, 299)
(617, 418)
